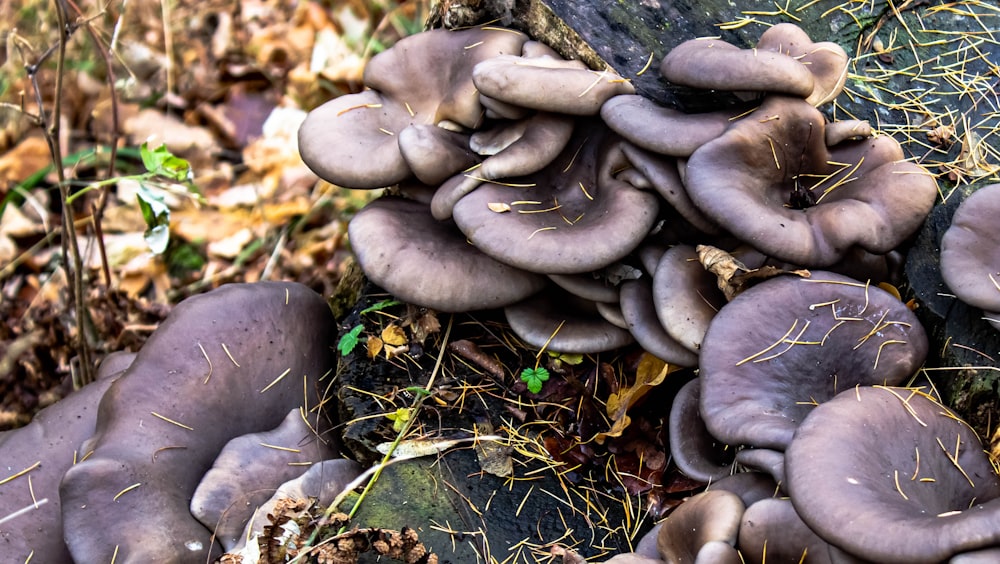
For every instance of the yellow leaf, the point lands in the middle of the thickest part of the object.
(651, 372)
(394, 335)
(374, 346)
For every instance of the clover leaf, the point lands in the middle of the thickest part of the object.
(534, 377)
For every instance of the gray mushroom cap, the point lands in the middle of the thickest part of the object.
(640, 316)
(890, 475)
(753, 179)
(694, 450)
(429, 263)
(772, 531)
(46, 447)
(707, 523)
(789, 343)
(686, 297)
(249, 469)
(563, 323)
(572, 217)
(713, 64)
(826, 60)
(544, 81)
(662, 130)
(970, 250)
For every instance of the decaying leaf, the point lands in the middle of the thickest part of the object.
(651, 372)
(974, 158)
(394, 335)
(374, 345)
(734, 276)
(493, 457)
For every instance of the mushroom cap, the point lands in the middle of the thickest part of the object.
(548, 83)
(865, 194)
(713, 64)
(433, 153)
(572, 217)
(970, 250)
(52, 438)
(424, 79)
(663, 177)
(890, 475)
(788, 343)
(425, 262)
(702, 521)
(589, 286)
(662, 130)
(686, 296)
(765, 460)
(694, 450)
(640, 316)
(772, 531)
(249, 469)
(514, 148)
(217, 350)
(566, 323)
(826, 60)
(342, 139)
(750, 486)
(432, 72)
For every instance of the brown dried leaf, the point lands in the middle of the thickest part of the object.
(374, 345)
(734, 276)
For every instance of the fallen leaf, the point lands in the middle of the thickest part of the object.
(650, 373)
(394, 335)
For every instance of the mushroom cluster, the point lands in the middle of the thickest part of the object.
(525, 181)
(876, 474)
(109, 473)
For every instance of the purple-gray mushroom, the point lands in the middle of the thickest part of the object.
(573, 217)
(428, 262)
(771, 181)
(561, 322)
(970, 252)
(248, 471)
(423, 81)
(890, 475)
(789, 343)
(34, 459)
(230, 362)
(695, 451)
(702, 529)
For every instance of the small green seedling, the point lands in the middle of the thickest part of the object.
(534, 377)
(350, 340)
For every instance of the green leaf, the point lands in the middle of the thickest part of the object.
(162, 162)
(157, 216)
(534, 377)
(350, 340)
(380, 306)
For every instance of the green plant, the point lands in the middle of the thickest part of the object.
(534, 377)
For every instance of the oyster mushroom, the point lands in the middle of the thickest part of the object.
(970, 252)
(789, 343)
(226, 363)
(890, 475)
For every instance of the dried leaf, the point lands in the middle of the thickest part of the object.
(734, 276)
(974, 158)
(651, 372)
(394, 335)
(499, 207)
(374, 346)
(493, 457)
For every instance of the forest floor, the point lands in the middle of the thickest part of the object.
(222, 84)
